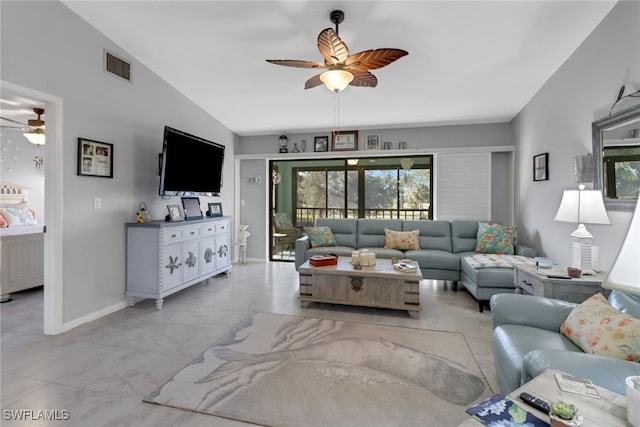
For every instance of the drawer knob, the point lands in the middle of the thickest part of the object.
(173, 236)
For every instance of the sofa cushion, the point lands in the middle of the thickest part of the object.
(434, 259)
(598, 328)
(320, 236)
(464, 236)
(386, 253)
(402, 240)
(371, 231)
(324, 250)
(344, 230)
(433, 234)
(495, 238)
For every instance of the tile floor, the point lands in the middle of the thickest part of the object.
(100, 372)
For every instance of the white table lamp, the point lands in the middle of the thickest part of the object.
(625, 273)
(582, 207)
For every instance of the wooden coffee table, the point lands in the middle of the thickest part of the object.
(610, 410)
(377, 286)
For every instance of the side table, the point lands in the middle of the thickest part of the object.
(610, 410)
(530, 280)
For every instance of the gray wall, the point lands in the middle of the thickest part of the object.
(558, 121)
(48, 48)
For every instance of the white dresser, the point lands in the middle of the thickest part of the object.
(166, 257)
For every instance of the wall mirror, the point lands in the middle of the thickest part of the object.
(616, 158)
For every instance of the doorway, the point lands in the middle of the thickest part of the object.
(53, 174)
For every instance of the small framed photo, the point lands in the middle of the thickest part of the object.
(215, 209)
(541, 167)
(95, 158)
(321, 143)
(191, 207)
(346, 140)
(373, 142)
(175, 213)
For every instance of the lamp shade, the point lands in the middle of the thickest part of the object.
(625, 273)
(582, 207)
(336, 80)
(35, 137)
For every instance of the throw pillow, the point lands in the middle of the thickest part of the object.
(403, 240)
(18, 216)
(495, 238)
(3, 222)
(598, 328)
(320, 236)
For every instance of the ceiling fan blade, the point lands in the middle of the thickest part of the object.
(296, 63)
(363, 79)
(332, 48)
(374, 58)
(313, 82)
(20, 128)
(13, 121)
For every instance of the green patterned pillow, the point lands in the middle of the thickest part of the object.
(495, 238)
(320, 236)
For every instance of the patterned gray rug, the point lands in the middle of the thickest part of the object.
(278, 370)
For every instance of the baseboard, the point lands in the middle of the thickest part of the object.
(67, 326)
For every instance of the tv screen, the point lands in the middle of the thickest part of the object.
(189, 164)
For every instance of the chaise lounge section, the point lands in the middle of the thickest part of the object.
(443, 246)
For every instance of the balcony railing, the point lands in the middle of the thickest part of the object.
(306, 217)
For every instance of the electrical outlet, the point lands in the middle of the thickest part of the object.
(97, 203)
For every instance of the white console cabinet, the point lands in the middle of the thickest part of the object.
(166, 257)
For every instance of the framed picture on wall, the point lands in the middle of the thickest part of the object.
(95, 158)
(541, 167)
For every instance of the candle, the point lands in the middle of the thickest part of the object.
(364, 259)
(355, 257)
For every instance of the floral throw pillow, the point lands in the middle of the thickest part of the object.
(495, 238)
(598, 328)
(320, 236)
(403, 240)
(18, 215)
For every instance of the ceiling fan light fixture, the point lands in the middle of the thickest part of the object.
(35, 136)
(336, 80)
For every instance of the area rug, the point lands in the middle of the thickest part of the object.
(279, 370)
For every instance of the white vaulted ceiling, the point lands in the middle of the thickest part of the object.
(468, 62)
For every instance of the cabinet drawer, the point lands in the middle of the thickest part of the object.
(172, 236)
(222, 227)
(189, 233)
(209, 229)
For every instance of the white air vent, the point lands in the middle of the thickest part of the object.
(117, 66)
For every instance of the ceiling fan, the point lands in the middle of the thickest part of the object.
(343, 69)
(34, 128)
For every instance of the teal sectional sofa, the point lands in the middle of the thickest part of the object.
(443, 246)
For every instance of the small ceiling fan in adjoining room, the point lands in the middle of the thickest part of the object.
(343, 69)
(33, 129)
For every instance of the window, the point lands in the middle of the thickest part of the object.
(370, 188)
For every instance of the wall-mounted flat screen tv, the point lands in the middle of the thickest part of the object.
(189, 164)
